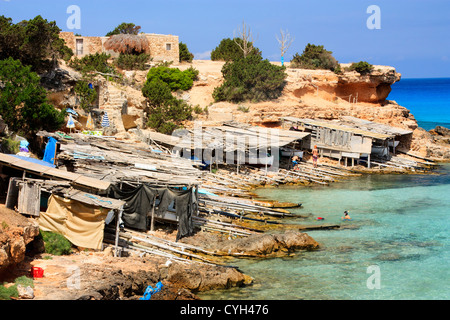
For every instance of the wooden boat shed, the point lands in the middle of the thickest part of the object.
(349, 139)
(233, 143)
(133, 167)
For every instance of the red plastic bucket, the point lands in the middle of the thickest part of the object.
(37, 272)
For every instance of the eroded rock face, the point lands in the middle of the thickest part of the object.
(16, 232)
(373, 88)
(350, 86)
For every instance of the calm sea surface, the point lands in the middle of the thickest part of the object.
(427, 99)
(396, 247)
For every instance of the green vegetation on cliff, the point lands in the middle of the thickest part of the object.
(229, 50)
(34, 43)
(166, 113)
(315, 57)
(23, 102)
(250, 79)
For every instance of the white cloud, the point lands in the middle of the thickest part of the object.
(203, 55)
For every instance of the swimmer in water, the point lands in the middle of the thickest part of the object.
(346, 216)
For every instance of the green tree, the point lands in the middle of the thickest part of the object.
(229, 50)
(169, 115)
(250, 78)
(315, 57)
(125, 28)
(23, 102)
(166, 112)
(185, 55)
(35, 42)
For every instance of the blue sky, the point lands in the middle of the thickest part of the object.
(414, 35)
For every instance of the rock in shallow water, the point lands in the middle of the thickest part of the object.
(267, 244)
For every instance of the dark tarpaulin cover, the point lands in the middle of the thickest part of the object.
(140, 200)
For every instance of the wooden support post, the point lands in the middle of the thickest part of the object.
(54, 156)
(393, 145)
(368, 161)
(152, 224)
(116, 243)
(196, 198)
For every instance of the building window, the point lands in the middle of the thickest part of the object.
(168, 46)
(79, 47)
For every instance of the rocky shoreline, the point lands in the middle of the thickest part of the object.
(98, 275)
(91, 275)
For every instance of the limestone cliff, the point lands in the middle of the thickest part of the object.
(318, 94)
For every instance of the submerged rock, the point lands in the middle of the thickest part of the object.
(262, 245)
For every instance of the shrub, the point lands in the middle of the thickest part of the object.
(166, 113)
(24, 281)
(169, 115)
(243, 109)
(157, 92)
(93, 62)
(362, 67)
(173, 77)
(56, 244)
(250, 78)
(7, 293)
(198, 110)
(85, 94)
(133, 61)
(315, 57)
(12, 292)
(228, 50)
(10, 146)
(192, 73)
(185, 55)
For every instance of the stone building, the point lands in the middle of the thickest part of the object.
(161, 47)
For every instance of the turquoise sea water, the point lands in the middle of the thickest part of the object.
(400, 229)
(400, 225)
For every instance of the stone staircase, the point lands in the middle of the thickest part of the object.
(115, 103)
